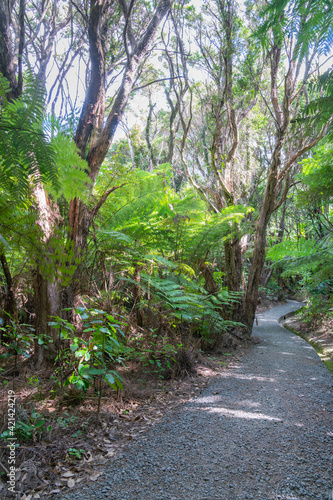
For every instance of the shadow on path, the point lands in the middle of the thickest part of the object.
(263, 430)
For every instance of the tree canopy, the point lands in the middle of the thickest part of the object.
(165, 165)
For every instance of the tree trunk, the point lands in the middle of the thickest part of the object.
(234, 267)
(258, 261)
(90, 135)
(233, 263)
(151, 160)
(9, 307)
(7, 62)
(47, 304)
(46, 288)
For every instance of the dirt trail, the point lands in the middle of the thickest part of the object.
(263, 430)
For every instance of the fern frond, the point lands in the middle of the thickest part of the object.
(25, 152)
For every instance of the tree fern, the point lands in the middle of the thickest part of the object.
(305, 256)
(310, 22)
(25, 152)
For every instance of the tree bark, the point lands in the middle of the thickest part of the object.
(7, 64)
(10, 306)
(89, 126)
(258, 260)
(47, 304)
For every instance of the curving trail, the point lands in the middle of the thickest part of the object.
(262, 431)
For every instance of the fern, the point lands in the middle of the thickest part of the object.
(305, 256)
(310, 22)
(185, 300)
(25, 152)
(317, 175)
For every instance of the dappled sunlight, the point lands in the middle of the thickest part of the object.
(241, 414)
(241, 376)
(218, 399)
(264, 320)
(208, 399)
(244, 413)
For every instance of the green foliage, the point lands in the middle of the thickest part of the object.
(317, 175)
(159, 356)
(305, 256)
(156, 240)
(72, 170)
(92, 353)
(318, 113)
(28, 425)
(311, 23)
(74, 452)
(186, 300)
(147, 213)
(19, 339)
(25, 152)
(56, 259)
(309, 258)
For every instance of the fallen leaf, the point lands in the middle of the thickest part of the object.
(71, 483)
(96, 476)
(67, 474)
(88, 457)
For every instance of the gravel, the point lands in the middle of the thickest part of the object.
(263, 430)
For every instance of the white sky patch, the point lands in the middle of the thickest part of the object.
(138, 105)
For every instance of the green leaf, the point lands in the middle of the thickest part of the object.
(109, 378)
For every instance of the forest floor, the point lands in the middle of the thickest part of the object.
(80, 443)
(261, 430)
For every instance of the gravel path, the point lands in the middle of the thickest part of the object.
(262, 431)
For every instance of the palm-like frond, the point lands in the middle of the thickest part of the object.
(319, 111)
(25, 151)
(305, 256)
(311, 23)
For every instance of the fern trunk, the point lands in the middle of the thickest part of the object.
(9, 305)
(234, 267)
(47, 304)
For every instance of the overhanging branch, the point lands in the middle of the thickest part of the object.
(156, 81)
(104, 198)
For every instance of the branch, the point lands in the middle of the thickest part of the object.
(198, 187)
(299, 153)
(98, 151)
(104, 198)
(284, 194)
(84, 17)
(156, 81)
(330, 224)
(127, 28)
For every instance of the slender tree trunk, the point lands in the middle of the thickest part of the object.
(9, 307)
(46, 288)
(233, 263)
(234, 268)
(259, 254)
(152, 159)
(47, 304)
